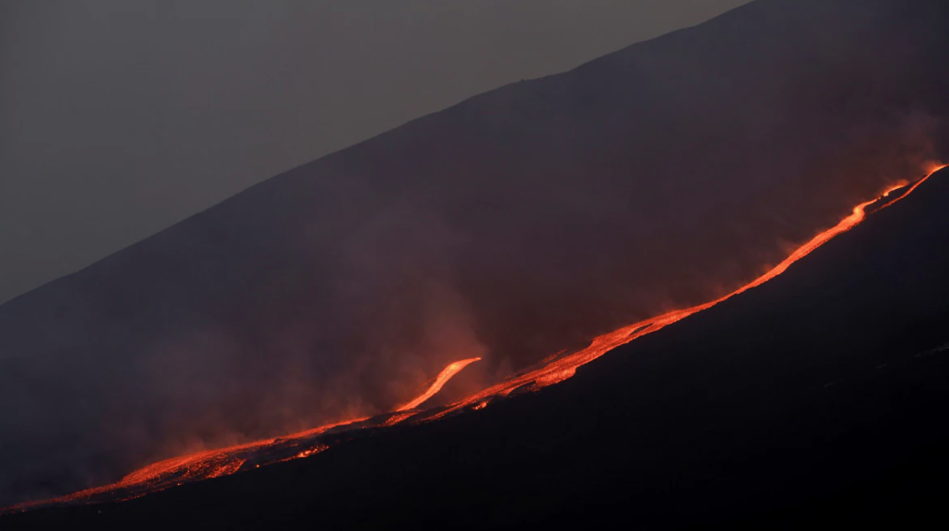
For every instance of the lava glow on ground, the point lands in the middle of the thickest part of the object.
(225, 461)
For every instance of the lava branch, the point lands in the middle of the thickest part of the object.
(447, 373)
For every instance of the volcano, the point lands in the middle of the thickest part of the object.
(651, 186)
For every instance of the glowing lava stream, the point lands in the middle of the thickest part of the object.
(225, 461)
(440, 380)
(563, 368)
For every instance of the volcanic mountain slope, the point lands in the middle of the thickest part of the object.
(512, 226)
(814, 399)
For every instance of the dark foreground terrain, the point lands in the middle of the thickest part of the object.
(816, 399)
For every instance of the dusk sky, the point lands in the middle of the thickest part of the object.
(119, 118)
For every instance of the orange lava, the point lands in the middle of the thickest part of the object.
(221, 462)
(932, 169)
(226, 461)
(563, 368)
(440, 380)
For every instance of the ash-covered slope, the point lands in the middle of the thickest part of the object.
(813, 400)
(516, 224)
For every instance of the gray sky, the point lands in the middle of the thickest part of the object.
(119, 118)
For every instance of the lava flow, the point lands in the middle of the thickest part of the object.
(565, 367)
(440, 380)
(226, 461)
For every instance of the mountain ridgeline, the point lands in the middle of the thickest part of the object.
(514, 225)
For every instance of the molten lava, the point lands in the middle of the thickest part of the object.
(557, 368)
(563, 368)
(440, 380)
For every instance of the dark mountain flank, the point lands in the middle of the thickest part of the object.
(814, 400)
(514, 225)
